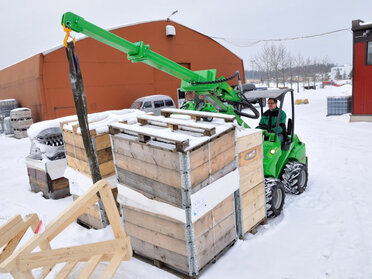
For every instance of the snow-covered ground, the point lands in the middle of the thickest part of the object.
(324, 233)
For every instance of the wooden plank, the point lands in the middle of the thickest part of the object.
(103, 155)
(207, 255)
(227, 117)
(252, 220)
(250, 207)
(150, 188)
(90, 267)
(12, 245)
(249, 178)
(66, 270)
(210, 167)
(64, 219)
(7, 226)
(27, 261)
(157, 239)
(60, 183)
(207, 129)
(158, 173)
(146, 153)
(208, 239)
(114, 219)
(107, 169)
(181, 141)
(100, 141)
(249, 156)
(151, 251)
(214, 216)
(110, 270)
(156, 222)
(248, 141)
(222, 143)
(251, 196)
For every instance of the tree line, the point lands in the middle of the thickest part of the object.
(274, 63)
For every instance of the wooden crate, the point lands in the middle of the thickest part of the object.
(76, 155)
(91, 217)
(166, 240)
(252, 187)
(150, 162)
(47, 177)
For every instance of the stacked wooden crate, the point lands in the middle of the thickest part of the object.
(78, 170)
(47, 177)
(176, 184)
(21, 120)
(252, 186)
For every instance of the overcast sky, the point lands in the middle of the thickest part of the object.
(30, 27)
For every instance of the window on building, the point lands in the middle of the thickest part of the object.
(158, 104)
(369, 53)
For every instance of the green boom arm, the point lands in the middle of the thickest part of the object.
(138, 52)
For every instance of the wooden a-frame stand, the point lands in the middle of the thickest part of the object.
(19, 263)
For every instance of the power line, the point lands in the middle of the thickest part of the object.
(282, 39)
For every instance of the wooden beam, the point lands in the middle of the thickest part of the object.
(197, 114)
(26, 262)
(112, 266)
(65, 271)
(90, 267)
(63, 220)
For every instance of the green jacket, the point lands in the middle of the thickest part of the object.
(269, 118)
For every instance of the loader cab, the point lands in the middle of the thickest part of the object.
(288, 131)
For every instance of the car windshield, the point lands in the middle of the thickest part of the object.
(136, 105)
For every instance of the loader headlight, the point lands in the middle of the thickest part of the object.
(272, 151)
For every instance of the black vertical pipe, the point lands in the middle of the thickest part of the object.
(77, 86)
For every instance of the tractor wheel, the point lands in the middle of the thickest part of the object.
(275, 196)
(294, 177)
(208, 119)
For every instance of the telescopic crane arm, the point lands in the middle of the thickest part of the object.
(201, 82)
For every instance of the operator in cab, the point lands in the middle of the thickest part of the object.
(269, 118)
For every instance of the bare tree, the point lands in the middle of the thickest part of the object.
(274, 62)
(290, 64)
(299, 61)
(263, 63)
(283, 63)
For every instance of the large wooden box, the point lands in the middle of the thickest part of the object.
(47, 177)
(252, 187)
(150, 161)
(184, 246)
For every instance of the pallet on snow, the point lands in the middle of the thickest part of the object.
(47, 177)
(252, 186)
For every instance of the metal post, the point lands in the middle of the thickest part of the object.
(186, 203)
(77, 86)
(238, 197)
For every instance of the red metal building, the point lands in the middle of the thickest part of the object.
(110, 80)
(362, 71)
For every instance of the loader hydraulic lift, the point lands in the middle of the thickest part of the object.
(285, 162)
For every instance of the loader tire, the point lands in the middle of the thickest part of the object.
(275, 197)
(294, 177)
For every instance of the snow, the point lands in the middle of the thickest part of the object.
(202, 201)
(324, 233)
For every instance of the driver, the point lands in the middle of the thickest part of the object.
(269, 117)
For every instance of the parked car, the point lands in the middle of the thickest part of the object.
(153, 103)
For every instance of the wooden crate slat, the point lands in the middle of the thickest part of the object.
(227, 117)
(145, 134)
(207, 130)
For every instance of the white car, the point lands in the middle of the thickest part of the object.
(153, 103)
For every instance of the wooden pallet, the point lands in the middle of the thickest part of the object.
(21, 262)
(198, 115)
